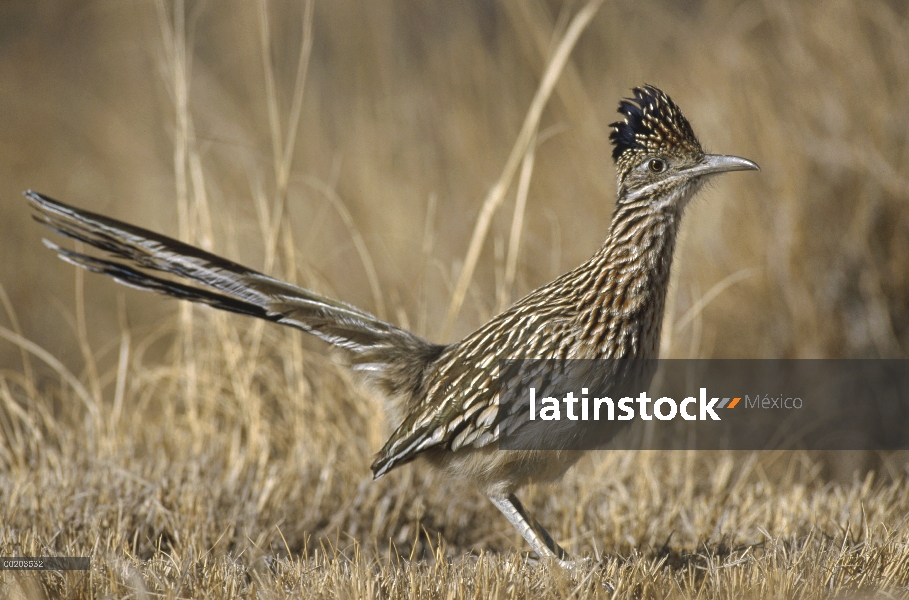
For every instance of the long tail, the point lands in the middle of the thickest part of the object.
(394, 357)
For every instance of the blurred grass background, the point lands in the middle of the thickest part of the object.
(181, 429)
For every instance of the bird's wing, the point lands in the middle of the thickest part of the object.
(461, 402)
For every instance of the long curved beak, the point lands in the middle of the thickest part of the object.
(721, 163)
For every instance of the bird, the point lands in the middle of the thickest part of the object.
(442, 401)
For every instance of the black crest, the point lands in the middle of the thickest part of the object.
(652, 123)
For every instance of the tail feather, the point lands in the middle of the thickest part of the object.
(137, 279)
(392, 355)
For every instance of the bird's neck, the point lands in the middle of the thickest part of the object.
(626, 282)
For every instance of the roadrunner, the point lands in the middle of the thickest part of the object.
(444, 405)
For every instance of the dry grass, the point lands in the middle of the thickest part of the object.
(348, 146)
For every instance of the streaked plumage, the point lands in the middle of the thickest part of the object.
(611, 307)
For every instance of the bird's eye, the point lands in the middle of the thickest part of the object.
(656, 165)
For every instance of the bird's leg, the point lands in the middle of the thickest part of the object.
(528, 527)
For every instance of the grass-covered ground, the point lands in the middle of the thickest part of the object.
(261, 486)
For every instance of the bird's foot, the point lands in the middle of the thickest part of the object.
(576, 565)
(582, 568)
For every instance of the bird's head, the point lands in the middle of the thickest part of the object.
(657, 155)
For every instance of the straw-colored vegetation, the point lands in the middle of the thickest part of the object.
(349, 146)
